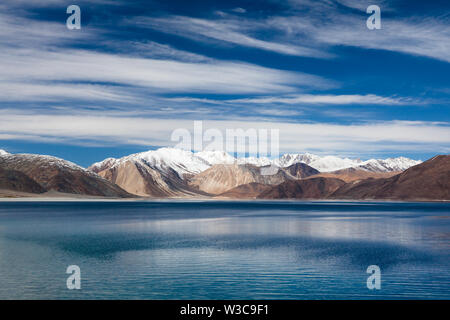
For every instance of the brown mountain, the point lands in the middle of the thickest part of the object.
(301, 170)
(246, 191)
(137, 177)
(17, 181)
(353, 174)
(429, 180)
(223, 177)
(313, 188)
(58, 175)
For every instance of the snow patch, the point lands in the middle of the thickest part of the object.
(259, 162)
(216, 157)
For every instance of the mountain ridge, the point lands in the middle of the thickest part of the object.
(429, 180)
(223, 177)
(313, 188)
(55, 174)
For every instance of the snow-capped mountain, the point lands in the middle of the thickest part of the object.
(288, 159)
(186, 162)
(387, 165)
(3, 152)
(54, 174)
(333, 163)
(181, 161)
(323, 164)
(44, 160)
(156, 173)
(102, 165)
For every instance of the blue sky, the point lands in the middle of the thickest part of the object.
(137, 70)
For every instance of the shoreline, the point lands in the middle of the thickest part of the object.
(181, 200)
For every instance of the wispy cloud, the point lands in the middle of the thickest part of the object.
(329, 26)
(154, 74)
(329, 99)
(331, 138)
(37, 63)
(239, 10)
(230, 30)
(155, 50)
(40, 92)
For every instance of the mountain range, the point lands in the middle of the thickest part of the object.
(173, 173)
(192, 163)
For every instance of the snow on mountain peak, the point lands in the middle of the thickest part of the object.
(333, 163)
(288, 159)
(323, 164)
(162, 159)
(182, 161)
(259, 162)
(102, 165)
(46, 161)
(390, 164)
(216, 157)
(222, 157)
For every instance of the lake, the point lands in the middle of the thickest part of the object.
(224, 250)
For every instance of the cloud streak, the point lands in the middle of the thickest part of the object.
(328, 99)
(331, 138)
(227, 30)
(327, 26)
(154, 74)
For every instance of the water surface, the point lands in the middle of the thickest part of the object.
(224, 250)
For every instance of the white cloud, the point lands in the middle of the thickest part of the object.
(230, 30)
(18, 32)
(39, 92)
(429, 37)
(155, 50)
(422, 37)
(331, 138)
(239, 10)
(332, 100)
(280, 102)
(156, 75)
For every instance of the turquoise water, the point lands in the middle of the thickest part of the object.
(224, 250)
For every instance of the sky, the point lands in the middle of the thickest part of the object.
(137, 71)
